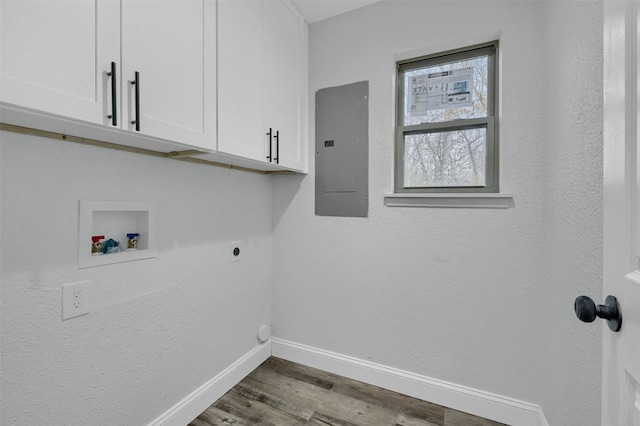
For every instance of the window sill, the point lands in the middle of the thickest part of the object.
(450, 200)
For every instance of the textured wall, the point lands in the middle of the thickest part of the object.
(573, 210)
(160, 327)
(459, 294)
(476, 297)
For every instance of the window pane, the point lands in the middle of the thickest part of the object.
(444, 159)
(456, 90)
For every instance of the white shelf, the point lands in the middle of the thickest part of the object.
(114, 220)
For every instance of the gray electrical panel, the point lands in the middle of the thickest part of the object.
(342, 145)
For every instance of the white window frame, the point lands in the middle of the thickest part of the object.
(490, 122)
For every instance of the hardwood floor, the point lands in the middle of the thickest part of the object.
(284, 393)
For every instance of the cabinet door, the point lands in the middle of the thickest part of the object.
(56, 55)
(171, 44)
(283, 62)
(240, 129)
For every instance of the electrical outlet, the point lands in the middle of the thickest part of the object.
(75, 299)
(237, 250)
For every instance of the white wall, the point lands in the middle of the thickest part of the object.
(475, 297)
(159, 328)
(482, 298)
(573, 210)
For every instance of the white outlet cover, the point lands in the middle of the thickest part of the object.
(232, 251)
(75, 299)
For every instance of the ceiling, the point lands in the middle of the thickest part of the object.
(317, 10)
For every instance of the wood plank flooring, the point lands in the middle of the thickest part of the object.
(283, 393)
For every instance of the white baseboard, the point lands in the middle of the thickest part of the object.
(199, 400)
(480, 403)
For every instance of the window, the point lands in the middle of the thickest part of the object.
(447, 139)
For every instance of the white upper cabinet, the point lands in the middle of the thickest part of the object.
(284, 82)
(240, 130)
(262, 82)
(224, 77)
(57, 59)
(56, 54)
(171, 45)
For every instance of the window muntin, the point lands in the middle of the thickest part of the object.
(446, 139)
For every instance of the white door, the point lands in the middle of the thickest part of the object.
(56, 56)
(283, 62)
(171, 44)
(240, 130)
(621, 350)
